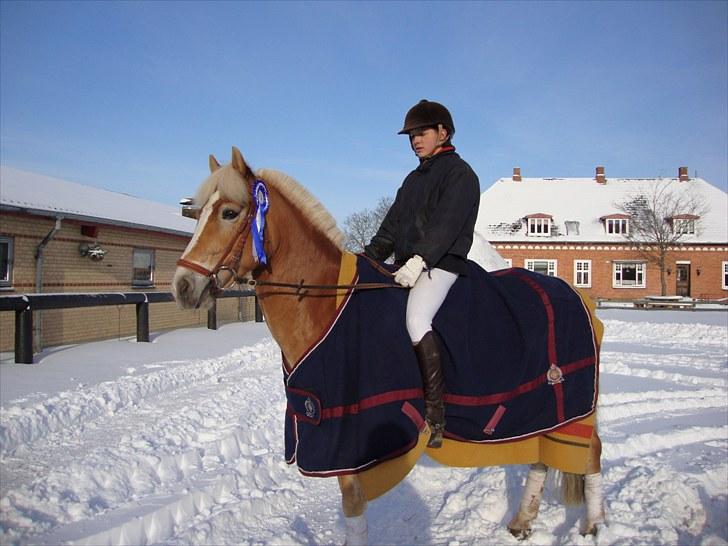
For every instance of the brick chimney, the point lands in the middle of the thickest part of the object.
(600, 178)
(683, 174)
(516, 174)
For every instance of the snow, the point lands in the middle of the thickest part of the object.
(55, 197)
(585, 201)
(180, 441)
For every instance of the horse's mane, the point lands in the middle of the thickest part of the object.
(227, 180)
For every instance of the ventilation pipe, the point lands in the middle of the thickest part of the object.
(39, 256)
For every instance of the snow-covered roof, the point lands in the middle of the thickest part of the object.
(505, 205)
(44, 195)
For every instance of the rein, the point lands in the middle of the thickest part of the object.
(230, 262)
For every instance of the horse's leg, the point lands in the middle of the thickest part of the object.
(520, 525)
(593, 486)
(354, 504)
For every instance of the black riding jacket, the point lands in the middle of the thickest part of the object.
(433, 215)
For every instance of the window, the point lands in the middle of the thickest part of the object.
(617, 225)
(582, 273)
(629, 275)
(540, 227)
(142, 267)
(6, 262)
(725, 275)
(545, 267)
(683, 226)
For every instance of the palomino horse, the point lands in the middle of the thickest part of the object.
(265, 229)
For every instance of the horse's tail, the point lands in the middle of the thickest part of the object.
(572, 488)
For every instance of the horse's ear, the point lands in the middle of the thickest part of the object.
(214, 165)
(239, 163)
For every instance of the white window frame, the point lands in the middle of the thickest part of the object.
(640, 275)
(685, 226)
(539, 227)
(551, 265)
(616, 226)
(6, 281)
(583, 268)
(724, 270)
(143, 283)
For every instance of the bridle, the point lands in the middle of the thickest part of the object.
(230, 262)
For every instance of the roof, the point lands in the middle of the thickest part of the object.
(505, 205)
(43, 195)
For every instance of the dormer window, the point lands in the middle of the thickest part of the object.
(684, 224)
(616, 224)
(539, 225)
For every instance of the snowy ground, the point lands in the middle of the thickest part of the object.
(180, 442)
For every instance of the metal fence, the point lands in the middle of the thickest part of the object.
(24, 306)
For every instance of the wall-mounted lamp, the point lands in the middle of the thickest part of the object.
(93, 251)
(669, 271)
(697, 271)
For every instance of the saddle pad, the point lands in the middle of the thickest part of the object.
(519, 357)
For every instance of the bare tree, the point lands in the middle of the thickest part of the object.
(361, 226)
(660, 218)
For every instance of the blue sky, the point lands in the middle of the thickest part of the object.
(132, 96)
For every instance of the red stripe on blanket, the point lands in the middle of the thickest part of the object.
(549, 315)
(576, 429)
(499, 398)
(371, 402)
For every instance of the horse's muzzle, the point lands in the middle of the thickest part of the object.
(192, 290)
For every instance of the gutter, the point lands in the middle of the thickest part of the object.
(39, 258)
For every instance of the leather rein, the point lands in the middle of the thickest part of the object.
(230, 262)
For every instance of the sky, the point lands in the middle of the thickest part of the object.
(133, 96)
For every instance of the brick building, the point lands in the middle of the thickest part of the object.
(572, 228)
(59, 236)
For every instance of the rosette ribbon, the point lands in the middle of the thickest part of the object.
(257, 227)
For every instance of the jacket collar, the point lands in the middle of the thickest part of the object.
(426, 163)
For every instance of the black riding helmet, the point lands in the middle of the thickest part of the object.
(428, 113)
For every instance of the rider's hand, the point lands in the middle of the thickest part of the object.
(408, 274)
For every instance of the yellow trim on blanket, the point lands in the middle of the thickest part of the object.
(383, 477)
(347, 274)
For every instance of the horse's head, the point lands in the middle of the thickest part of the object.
(221, 248)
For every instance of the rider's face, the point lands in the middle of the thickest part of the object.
(426, 141)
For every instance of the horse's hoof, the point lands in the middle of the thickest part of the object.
(593, 530)
(521, 534)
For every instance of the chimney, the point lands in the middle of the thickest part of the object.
(683, 174)
(600, 178)
(516, 174)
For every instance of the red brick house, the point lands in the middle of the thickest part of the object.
(572, 228)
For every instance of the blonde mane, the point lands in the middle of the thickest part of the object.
(232, 186)
(304, 201)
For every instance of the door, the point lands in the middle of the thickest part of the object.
(682, 279)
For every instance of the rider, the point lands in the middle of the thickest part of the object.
(430, 230)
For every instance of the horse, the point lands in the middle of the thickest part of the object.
(266, 230)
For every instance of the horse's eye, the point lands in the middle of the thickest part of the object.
(229, 214)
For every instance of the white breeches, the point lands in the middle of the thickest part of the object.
(425, 298)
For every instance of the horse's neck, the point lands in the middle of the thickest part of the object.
(300, 253)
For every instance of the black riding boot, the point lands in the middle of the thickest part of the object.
(433, 382)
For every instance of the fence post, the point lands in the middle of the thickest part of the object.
(212, 316)
(258, 311)
(142, 321)
(24, 336)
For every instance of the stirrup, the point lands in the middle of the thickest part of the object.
(435, 440)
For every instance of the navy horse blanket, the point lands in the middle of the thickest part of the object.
(520, 358)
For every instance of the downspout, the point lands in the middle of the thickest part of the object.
(37, 333)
